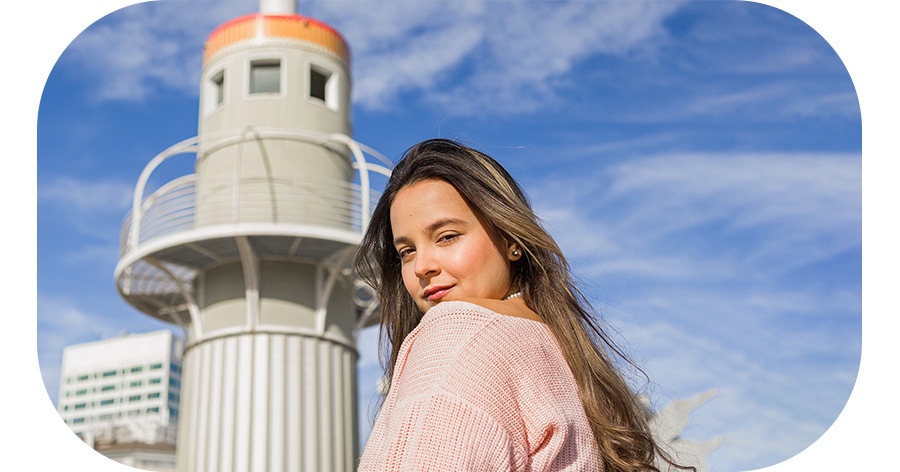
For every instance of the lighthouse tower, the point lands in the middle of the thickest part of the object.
(250, 254)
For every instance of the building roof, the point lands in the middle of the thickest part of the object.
(257, 26)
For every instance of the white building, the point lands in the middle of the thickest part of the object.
(250, 254)
(121, 395)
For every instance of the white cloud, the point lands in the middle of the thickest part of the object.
(509, 51)
(771, 382)
(471, 57)
(61, 323)
(505, 55)
(105, 197)
(93, 208)
(689, 257)
(136, 50)
(640, 215)
(91, 258)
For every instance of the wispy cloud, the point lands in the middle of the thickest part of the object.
(86, 197)
(693, 259)
(786, 210)
(89, 207)
(61, 322)
(772, 380)
(486, 58)
(140, 49)
(506, 53)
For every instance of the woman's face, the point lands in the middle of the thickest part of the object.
(446, 252)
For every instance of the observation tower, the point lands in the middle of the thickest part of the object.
(250, 254)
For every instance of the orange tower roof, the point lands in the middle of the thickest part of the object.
(258, 25)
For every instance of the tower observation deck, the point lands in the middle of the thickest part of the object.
(250, 254)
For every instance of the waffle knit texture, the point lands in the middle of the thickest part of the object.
(474, 390)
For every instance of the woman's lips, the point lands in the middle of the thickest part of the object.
(436, 294)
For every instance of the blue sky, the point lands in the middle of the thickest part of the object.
(699, 162)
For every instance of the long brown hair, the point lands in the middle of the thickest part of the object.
(542, 274)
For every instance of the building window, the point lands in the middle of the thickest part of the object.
(106, 417)
(78, 420)
(317, 83)
(134, 398)
(80, 406)
(82, 378)
(156, 367)
(107, 388)
(82, 391)
(323, 86)
(136, 383)
(110, 373)
(155, 381)
(265, 76)
(218, 82)
(155, 409)
(153, 395)
(135, 370)
(108, 401)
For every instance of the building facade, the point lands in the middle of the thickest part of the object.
(121, 396)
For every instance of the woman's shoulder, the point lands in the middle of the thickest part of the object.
(475, 348)
(450, 325)
(470, 327)
(481, 309)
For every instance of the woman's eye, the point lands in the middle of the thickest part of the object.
(404, 253)
(447, 237)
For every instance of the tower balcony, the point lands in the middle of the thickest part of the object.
(166, 241)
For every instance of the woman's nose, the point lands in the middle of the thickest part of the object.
(426, 264)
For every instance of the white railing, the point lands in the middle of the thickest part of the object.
(173, 207)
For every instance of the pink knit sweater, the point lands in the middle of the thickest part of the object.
(474, 390)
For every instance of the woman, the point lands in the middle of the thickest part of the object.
(495, 360)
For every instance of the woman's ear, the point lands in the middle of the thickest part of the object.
(514, 252)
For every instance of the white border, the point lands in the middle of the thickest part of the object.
(864, 37)
(862, 33)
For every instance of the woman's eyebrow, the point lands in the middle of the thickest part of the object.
(431, 229)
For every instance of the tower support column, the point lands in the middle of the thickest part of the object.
(268, 401)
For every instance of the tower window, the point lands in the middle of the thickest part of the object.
(218, 82)
(323, 86)
(265, 76)
(317, 84)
